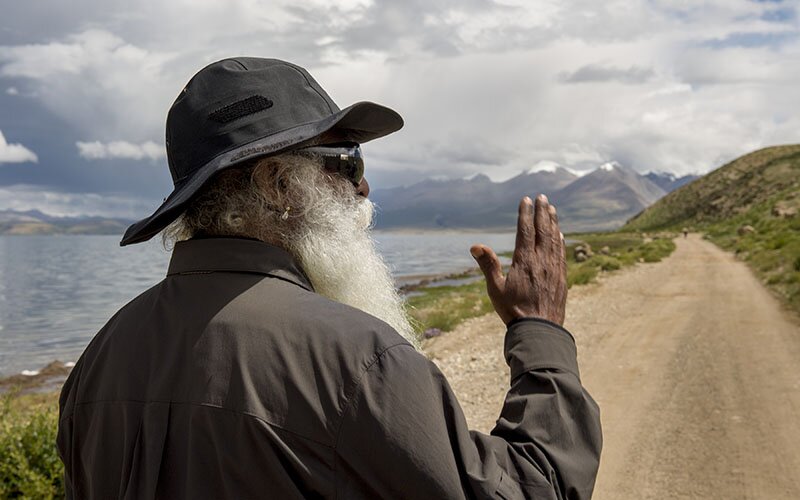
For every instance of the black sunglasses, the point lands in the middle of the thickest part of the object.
(344, 159)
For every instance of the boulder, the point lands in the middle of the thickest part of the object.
(784, 210)
(431, 332)
(605, 250)
(746, 229)
(585, 249)
(581, 257)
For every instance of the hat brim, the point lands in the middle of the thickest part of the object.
(360, 122)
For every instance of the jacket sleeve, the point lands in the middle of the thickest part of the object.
(404, 435)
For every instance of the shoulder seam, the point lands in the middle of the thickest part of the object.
(346, 404)
(357, 382)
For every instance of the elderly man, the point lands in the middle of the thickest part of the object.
(276, 360)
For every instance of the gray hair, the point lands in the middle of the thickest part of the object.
(265, 200)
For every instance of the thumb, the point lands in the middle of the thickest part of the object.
(490, 266)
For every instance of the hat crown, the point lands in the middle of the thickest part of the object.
(236, 101)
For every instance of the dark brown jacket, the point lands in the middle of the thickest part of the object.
(233, 379)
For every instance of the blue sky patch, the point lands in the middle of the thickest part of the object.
(751, 40)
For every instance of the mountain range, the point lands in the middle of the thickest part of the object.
(36, 222)
(602, 199)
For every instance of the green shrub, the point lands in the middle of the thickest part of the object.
(606, 263)
(778, 242)
(581, 274)
(29, 462)
(446, 306)
(791, 278)
(774, 279)
(657, 250)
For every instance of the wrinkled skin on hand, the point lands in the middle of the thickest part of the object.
(536, 283)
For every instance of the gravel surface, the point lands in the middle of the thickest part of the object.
(694, 365)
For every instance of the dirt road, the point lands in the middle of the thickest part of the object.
(696, 369)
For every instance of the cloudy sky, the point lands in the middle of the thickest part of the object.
(490, 86)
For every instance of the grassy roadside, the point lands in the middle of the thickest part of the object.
(772, 249)
(765, 236)
(442, 308)
(29, 463)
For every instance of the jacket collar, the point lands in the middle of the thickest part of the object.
(238, 255)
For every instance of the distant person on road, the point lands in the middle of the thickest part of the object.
(685, 233)
(276, 359)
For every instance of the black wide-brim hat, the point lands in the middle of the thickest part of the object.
(236, 110)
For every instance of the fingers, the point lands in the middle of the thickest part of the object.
(558, 238)
(544, 228)
(551, 212)
(525, 232)
(490, 266)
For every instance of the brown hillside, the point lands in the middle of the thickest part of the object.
(731, 190)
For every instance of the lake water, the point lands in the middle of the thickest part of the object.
(56, 292)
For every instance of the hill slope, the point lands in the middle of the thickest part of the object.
(730, 190)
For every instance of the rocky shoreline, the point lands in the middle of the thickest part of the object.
(48, 379)
(411, 284)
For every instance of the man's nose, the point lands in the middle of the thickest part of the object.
(363, 187)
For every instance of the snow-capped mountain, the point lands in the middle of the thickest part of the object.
(601, 199)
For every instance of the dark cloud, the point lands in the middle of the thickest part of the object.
(59, 166)
(596, 73)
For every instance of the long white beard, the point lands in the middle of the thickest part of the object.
(337, 252)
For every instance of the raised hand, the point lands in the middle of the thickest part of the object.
(536, 284)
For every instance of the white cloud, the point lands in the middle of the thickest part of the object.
(482, 84)
(12, 91)
(97, 150)
(15, 153)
